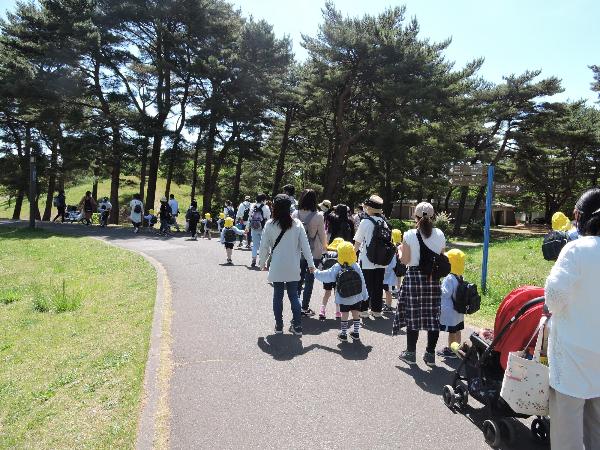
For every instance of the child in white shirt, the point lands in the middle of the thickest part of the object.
(452, 321)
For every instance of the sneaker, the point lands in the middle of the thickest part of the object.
(230, 262)
(409, 358)
(364, 314)
(135, 230)
(446, 353)
(376, 314)
(387, 309)
(429, 359)
(296, 330)
(355, 336)
(253, 263)
(279, 329)
(343, 336)
(322, 313)
(308, 312)
(338, 315)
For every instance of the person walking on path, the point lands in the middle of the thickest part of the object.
(290, 191)
(229, 234)
(104, 208)
(164, 215)
(350, 303)
(573, 353)
(419, 301)
(314, 225)
(451, 320)
(60, 201)
(136, 214)
(174, 204)
(88, 206)
(340, 225)
(259, 214)
(373, 273)
(229, 210)
(192, 216)
(285, 240)
(242, 216)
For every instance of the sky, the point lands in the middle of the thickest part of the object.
(559, 37)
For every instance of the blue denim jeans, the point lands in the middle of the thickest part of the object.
(292, 291)
(308, 279)
(256, 237)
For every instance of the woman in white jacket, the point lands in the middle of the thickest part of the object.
(574, 353)
(284, 239)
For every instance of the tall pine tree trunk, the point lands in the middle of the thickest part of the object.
(143, 167)
(95, 183)
(238, 178)
(208, 165)
(172, 159)
(51, 181)
(195, 167)
(18, 204)
(115, 174)
(153, 169)
(279, 169)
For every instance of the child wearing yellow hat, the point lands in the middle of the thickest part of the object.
(350, 290)
(207, 224)
(229, 235)
(390, 280)
(328, 260)
(452, 321)
(221, 222)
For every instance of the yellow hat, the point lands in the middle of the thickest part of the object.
(229, 222)
(560, 222)
(221, 215)
(207, 216)
(151, 211)
(334, 244)
(457, 261)
(396, 236)
(346, 253)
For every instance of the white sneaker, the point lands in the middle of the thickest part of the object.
(376, 314)
(364, 314)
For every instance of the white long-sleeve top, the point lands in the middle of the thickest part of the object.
(573, 298)
(285, 262)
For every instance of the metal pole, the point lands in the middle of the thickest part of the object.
(488, 221)
(32, 191)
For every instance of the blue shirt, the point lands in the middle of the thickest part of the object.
(330, 276)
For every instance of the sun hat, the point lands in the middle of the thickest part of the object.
(325, 205)
(207, 216)
(560, 222)
(457, 261)
(221, 215)
(334, 244)
(375, 204)
(346, 253)
(247, 198)
(424, 209)
(396, 236)
(229, 222)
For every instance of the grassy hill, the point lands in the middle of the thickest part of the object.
(129, 186)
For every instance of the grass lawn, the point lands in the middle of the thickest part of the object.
(512, 263)
(72, 366)
(129, 186)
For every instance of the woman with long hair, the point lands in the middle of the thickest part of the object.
(420, 299)
(340, 224)
(573, 355)
(285, 241)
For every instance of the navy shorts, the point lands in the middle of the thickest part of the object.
(229, 245)
(348, 308)
(328, 286)
(452, 329)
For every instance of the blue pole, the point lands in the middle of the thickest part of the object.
(488, 222)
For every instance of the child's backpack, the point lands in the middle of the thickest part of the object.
(229, 235)
(430, 263)
(56, 202)
(257, 220)
(230, 212)
(328, 260)
(207, 224)
(246, 214)
(466, 299)
(380, 250)
(137, 208)
(348, 282)
(553, 244)
(194, 216)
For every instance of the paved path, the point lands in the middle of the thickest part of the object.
(236, 385)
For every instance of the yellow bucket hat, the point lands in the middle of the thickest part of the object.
(457, 261)
(560, 222)
(396, 236)
(151, 211)
(346, 253)
(229, 222)
(207, 216)
(334, 244)
(221, 215)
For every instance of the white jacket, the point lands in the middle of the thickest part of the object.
(285, 262)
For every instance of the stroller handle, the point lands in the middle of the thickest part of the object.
(520, 312)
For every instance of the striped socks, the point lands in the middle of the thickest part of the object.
(344, 326)
(356, 326)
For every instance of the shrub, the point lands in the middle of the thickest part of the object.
(65, 302)
(399, 224)
(475, 229)
(41, 303)
(9, 296)
(443, 221)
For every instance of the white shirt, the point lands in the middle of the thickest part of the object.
(240, 212)
(136, 217)
(285, 262)
(448, 315)
(105, 205)
(364, 234)
(436, 242)
(174, 206)
(572, 296)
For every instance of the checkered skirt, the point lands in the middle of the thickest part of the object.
(419, 303)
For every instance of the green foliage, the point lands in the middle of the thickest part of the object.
(443, 221)
(475, 229)
(9, 296)
(399, 224)
(41, 302)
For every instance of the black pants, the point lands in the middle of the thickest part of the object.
(374, 282)
(61, 214)
(412, 336)
(193, 228)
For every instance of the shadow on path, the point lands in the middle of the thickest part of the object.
(285, 347)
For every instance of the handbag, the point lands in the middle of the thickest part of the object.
(526, 383)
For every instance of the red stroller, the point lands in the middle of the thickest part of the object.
(481, 370)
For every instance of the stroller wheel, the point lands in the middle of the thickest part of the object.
(448, 396)
(540, 430)
(507, 429)
(461, 396)
(491, 433)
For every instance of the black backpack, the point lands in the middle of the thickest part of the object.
(195, 216)
(346, 231)
(553, 244)
(348, 282)
(380, 250)
(328, 260)
(246, 214)
(400, 269)
(137, 208)
(229, 235)
(230, 212)
(430, 263)
(466, 300)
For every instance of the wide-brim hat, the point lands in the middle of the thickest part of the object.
(325, 205)
(375, 203)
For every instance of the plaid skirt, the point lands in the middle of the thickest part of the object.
(419, 303)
